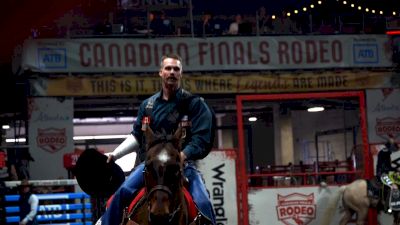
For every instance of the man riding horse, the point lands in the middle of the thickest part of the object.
(164, 111)
(385, 173)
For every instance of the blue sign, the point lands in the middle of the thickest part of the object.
(365, 53)
(52, 58)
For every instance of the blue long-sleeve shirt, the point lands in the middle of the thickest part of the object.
(166, 115)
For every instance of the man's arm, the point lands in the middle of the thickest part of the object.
(34, 202)
(201, 119)
(131, 143)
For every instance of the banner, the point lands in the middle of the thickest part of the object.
(207, 84)
(50, 135)
(219, 173)
(302, 205)
(211, 54)
(383, 113)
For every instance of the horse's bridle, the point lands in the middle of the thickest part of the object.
(162, 187)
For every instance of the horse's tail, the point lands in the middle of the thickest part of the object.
(332, 205)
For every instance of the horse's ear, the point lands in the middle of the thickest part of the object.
(149, 134)
(178, 137)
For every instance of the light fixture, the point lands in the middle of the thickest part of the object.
(14, 140)
(316, 109)
(5, 127)
(252, 119)
(273, 17)
(77, 138)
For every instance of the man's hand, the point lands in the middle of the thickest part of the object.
(23, 222)
(110, 158)
(183, 157)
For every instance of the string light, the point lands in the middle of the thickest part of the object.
(344, 2)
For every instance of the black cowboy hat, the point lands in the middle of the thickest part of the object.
(95, 176)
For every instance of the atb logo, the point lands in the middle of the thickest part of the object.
(296, 209)
(365, 53)
(51, 139)
(52, 58)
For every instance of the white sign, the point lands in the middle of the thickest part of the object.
(50, 135)
(211, 54)
(302, 205)
(383, 113)
(219, 172)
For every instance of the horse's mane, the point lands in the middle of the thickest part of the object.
(162, 137)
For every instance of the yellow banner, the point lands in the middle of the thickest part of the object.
(211, 84)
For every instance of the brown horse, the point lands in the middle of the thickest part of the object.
(355, 200)
(164, 200)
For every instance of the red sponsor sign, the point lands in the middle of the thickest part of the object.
(387, 126)
(51, 139)
(70, 160)
(296, 209)
(2, 159)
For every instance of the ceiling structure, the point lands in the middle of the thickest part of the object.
(18, 17)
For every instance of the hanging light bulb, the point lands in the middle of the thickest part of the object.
(296, 11)
(273, 17)
(319, 2)
(316, 109)
(394, 13)
(352, 5)
(373, 11)
(366, 10)
(381, 12)
(344, 2)
(304, 9)
(288, 14)
(359, 7)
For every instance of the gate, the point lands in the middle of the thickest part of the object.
(275, 160)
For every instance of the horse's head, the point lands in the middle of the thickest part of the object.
(163, 175)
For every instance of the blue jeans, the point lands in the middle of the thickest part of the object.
(125, 194)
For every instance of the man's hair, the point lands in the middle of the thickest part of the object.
(172, 56)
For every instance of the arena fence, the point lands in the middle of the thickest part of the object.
(62, 208)
(67, 208)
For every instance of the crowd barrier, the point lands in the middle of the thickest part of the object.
(71, 209)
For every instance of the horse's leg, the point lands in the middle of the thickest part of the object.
(346, 217)
(362, 216)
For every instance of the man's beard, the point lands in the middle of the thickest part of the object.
(171, 83)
